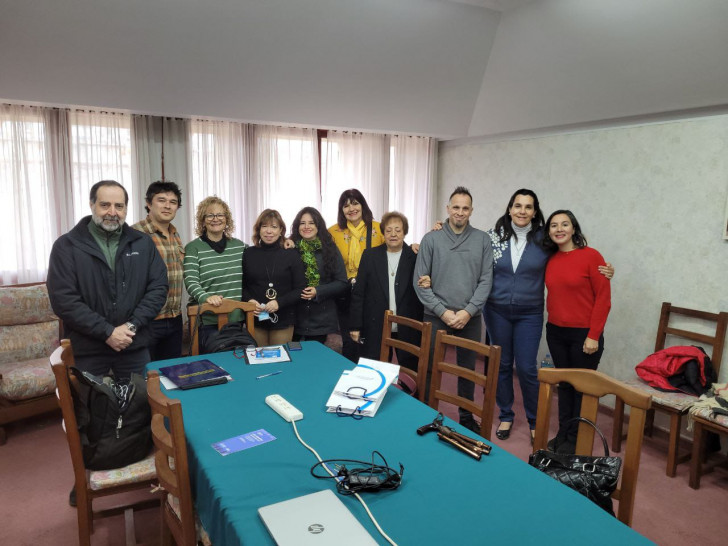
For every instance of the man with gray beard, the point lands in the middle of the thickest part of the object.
(107, 282)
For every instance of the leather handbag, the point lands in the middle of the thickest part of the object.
(594, 477)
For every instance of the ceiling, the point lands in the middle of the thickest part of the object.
(446, 68)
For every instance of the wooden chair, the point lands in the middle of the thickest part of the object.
(178, 510)
(674, 404)
(488, 381)
(422, 352)
(222, 318)
(90, 484)
(593, 385)
(703, 423)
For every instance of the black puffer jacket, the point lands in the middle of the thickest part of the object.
(92, 300)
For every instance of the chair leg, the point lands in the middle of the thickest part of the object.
(85, 519)
(618, 425)
(673, 445)
(696, 464)
(650, 422)
(129, 528)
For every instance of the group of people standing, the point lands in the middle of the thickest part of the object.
(122, 307)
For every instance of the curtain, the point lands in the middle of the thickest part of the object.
(284, 171)
(218, 165)
(355, 160)
(101, 150)
(157, 142)
(412, 182)
(29, 217)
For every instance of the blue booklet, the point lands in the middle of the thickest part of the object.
(191, 375)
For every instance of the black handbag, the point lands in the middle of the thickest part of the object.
(594, 477)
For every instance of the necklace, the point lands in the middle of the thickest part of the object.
(393, 262)
(270, 293)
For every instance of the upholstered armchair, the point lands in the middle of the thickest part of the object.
(29, 333)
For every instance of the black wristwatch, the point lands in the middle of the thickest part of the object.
(131, 326)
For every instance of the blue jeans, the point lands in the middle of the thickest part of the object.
(518, 333)
(464, 357)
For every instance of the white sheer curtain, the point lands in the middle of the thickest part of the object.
(412, 182)
(355, 160)
(30, 207)
(218, 164)
(100, 150)
(284, 171)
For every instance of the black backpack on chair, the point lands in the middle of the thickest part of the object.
(114, 420)
(230, 336)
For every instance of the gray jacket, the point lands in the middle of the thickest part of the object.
(461, 269)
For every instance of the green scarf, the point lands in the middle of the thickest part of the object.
(308, 256)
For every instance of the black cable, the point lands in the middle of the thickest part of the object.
(365, 477)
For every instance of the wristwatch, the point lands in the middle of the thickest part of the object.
(131, 327)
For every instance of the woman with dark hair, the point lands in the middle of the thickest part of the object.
(578, 303)
(325, 277)
(514, 311)
(213, 264)
(354, 232)
(272, 279)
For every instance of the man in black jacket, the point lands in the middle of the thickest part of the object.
(107, 282)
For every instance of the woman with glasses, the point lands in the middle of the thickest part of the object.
(325, 277)
(213, 268)
(273, 279)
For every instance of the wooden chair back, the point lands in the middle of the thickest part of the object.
(715, 341)
(195, 312)
(593, 385)
(488, 381)
(168, 431)
(422, 352)
(61, 361)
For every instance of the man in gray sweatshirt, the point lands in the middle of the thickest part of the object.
(459, 261)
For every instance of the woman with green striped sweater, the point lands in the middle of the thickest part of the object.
(213, 265)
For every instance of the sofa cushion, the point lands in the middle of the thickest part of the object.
(25, 305)
(27, 379)
(28, 341)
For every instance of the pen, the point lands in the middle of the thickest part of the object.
(269, 374)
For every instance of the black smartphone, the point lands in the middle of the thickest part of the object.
(294, 346)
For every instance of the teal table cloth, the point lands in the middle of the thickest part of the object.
(446, 497)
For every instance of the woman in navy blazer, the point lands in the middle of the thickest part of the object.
(384, 268)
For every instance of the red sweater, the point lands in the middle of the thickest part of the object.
(578, 295)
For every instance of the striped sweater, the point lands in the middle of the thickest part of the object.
(207, 273)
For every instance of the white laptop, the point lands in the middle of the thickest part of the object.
(319, 519)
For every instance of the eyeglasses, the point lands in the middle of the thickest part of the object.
(218, 216)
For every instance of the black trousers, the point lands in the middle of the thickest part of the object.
(567, 349)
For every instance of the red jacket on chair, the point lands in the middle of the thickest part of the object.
(657, 368)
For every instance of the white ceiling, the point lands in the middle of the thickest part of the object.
(447, 68)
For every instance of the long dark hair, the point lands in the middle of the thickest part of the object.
(354, 195)
(328, 247)
(578, 238)
(504, 222)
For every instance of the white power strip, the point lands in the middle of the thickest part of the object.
(281, 406)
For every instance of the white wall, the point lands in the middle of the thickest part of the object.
(558, 62)
(650, 198)
(412, 66)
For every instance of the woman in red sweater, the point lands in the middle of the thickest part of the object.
(578, 302)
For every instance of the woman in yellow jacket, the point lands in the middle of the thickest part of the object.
(354, 232)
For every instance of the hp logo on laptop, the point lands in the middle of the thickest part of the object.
(315, 528)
